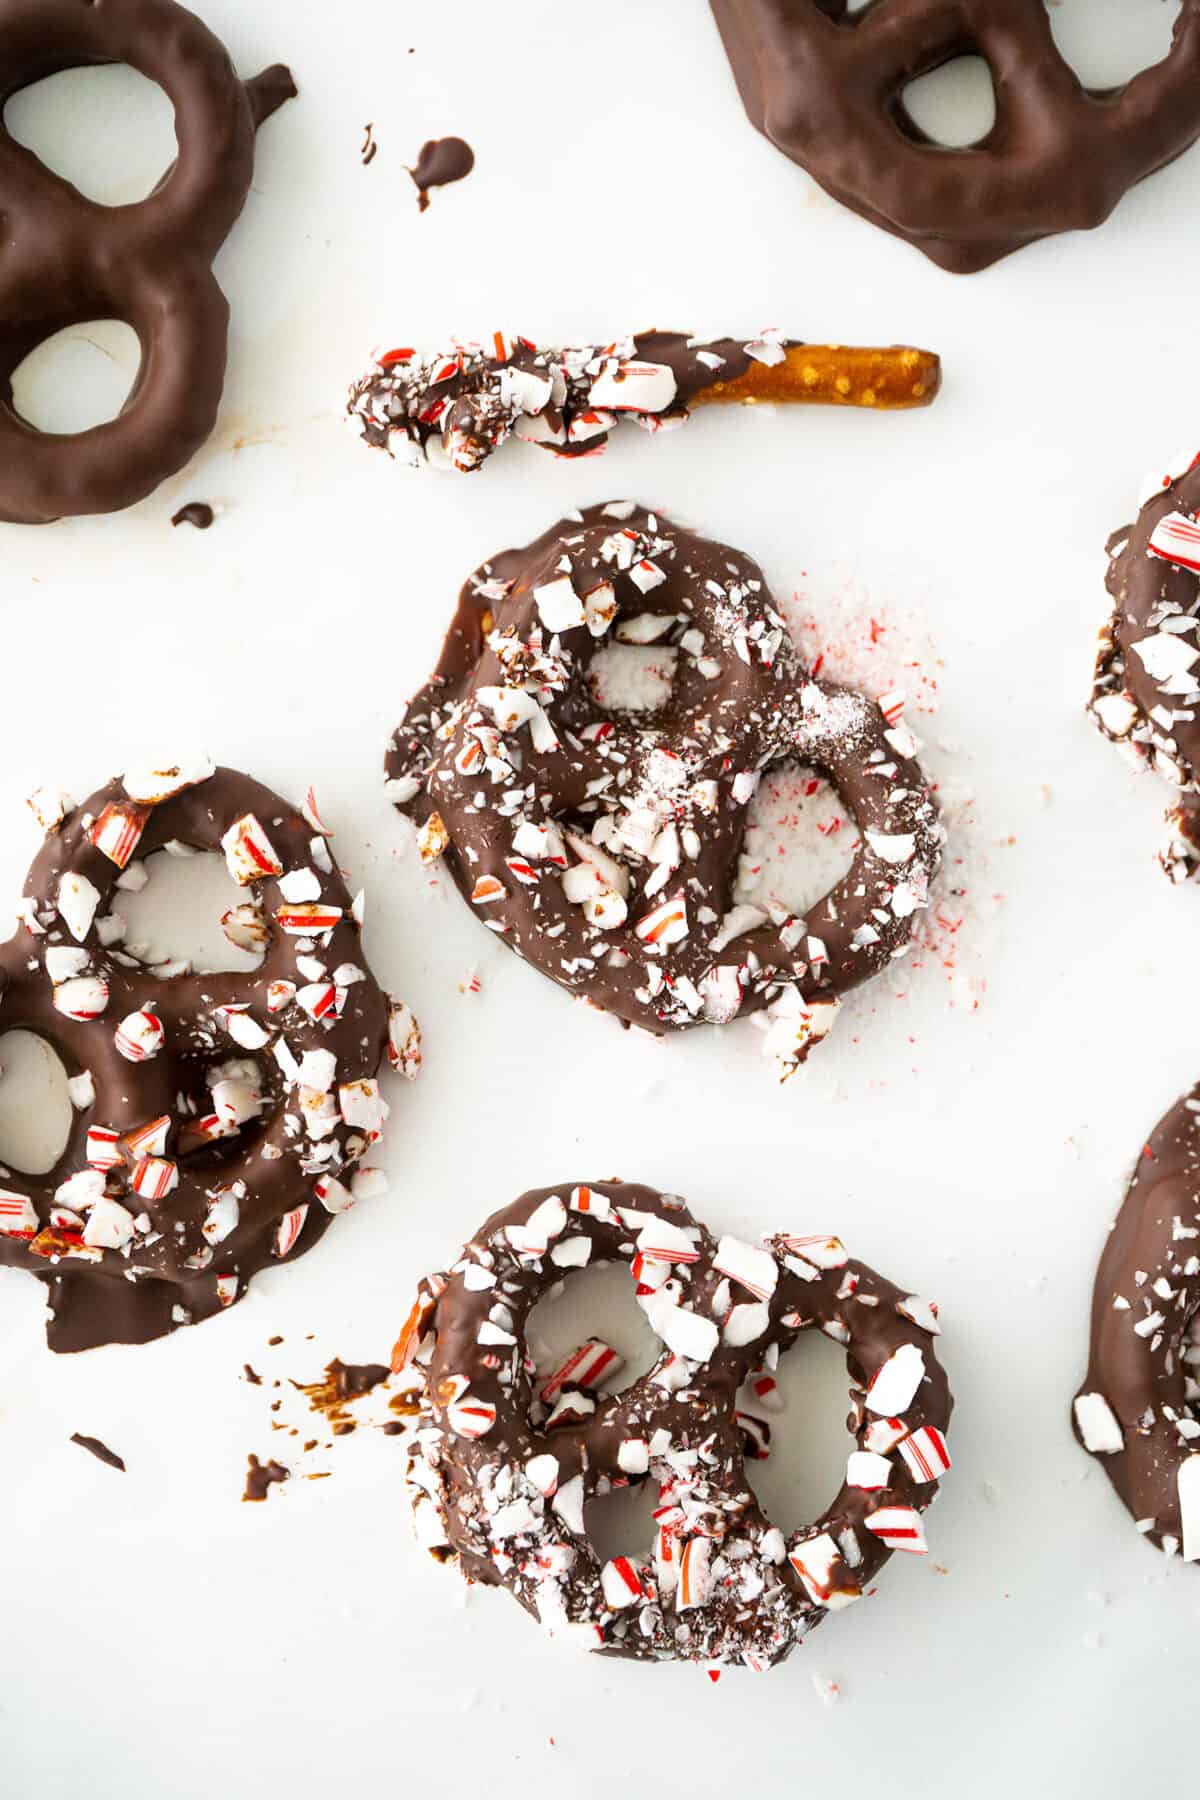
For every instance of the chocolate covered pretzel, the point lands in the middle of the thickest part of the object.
(603, 846)
(506, 1458)
(1147, 681)
(825, 83)
(218, 1119)
(1138, 1411)
(453, 407)
(68, 259)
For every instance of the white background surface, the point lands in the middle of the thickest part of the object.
(159, 1638)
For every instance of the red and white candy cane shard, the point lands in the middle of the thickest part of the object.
(894, 1384)
(755, 1270)
(891, 705)
(139, 1036)
(821, 1252)
(899, 1527)
(695, 1580)
(621, 1583)
(666, 924)
(149, 1139)
(587, 1200)
(588, 1367)
(404, 1040)
(756, 1436)
(634, 387)
(312, 813)
(922, 1312)
(926, 1454)
(289, 1229)
(1176, 538)
(155, 1177)
(763, 1385)
(249, 852)
(309, 919)
(883, 1435)
(103, 1147)
(815, 1561)
(662, 1242)
(227, 1287)
(867, 1470)
(470, 1418)
(487, 891)
(318, 999)
(118, 830)
(18, 1217)
(83, 998)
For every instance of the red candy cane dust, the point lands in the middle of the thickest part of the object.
(886, 653)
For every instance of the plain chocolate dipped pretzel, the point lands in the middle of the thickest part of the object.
(1147, 680)
(505, 1461)
(826, 85)
(454, 407)
(603, 847)
(217, 1118)
(1138, 1411)
(68, 259)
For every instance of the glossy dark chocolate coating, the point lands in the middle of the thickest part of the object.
(464, 1479)
(67, 259)
(1146, 1380)
(826, 86)
(105, 1296)
(1155, 722)
(758, 709)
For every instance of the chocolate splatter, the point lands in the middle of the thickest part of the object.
(100, 1451)
(262, 1477)
(342, 1384)
(252, 1375)
(442, 160)
(370, 148)
(197, 512)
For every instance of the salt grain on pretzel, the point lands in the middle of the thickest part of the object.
(502, 1465)
(567, 401)
(194, 1118)
(648, 810)
(1136, 1411)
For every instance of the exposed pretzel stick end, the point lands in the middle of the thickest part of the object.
(889, 380)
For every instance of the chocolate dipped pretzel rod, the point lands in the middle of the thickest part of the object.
(506, 1458)
(219, 1121)
(454, 407)
(1138, 1411)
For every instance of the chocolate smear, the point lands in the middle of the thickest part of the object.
(342, 1384)
(100, 1451)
